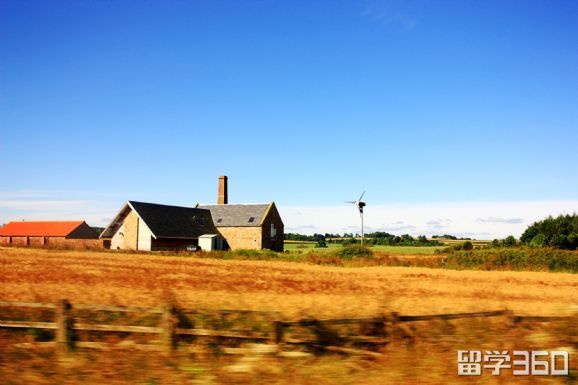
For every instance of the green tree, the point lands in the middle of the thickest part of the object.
(538, 241)
(560, 232)
(573, 241)
(559, 240)
(509, 241)
(320, 241)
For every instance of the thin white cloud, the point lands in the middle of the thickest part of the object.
(56, 205)
(436, 225)
(396, 228)
(511, 221)
(301, 229)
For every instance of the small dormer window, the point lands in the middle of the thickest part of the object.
(252, 219)
(219, 220)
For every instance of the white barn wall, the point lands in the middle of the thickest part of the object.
(144, 236)
(117, 240)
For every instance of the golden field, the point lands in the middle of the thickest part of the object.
(294, 289)
(427, 356)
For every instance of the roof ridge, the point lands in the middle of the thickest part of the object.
(27, 221)
(162, 204)
(235, 204)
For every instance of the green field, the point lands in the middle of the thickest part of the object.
(294, 246)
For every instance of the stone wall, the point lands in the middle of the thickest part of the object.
(53, 242)
(131, 231)
(36, 241)
(19, 241)
(75, 244)
(242, 237)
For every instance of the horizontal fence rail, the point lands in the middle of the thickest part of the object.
(28, 325)
(28, 304)
(123, 309)
(432, 317)
(169, 325)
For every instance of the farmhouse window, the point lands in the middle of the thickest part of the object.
(273, 230)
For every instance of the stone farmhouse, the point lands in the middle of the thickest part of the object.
(152, 227)
(49, 234)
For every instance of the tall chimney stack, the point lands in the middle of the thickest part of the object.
(223, 197)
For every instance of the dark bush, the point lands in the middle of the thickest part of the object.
(321, 241)
(350, 241)
(538, 259)
(510, 241)
(355, 251)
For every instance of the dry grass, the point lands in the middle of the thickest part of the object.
(292, 288)
(426, 356)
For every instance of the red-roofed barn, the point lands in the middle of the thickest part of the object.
(54, 233)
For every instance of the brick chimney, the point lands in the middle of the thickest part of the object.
(223, 197)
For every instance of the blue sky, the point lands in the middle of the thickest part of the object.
(305, 103)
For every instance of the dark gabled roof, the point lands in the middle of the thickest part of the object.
(165, 221)
(238, 215)
(174, 221)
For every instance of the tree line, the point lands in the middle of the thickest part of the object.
(375, 238)
(560, 232)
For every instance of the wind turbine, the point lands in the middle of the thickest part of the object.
(360, 205)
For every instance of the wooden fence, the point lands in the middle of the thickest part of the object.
(382, 327)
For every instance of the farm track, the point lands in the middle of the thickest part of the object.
(292, 288)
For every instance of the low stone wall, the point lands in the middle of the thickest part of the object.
(19, 241)
(36, 241)
(53, 242)
(75, 244)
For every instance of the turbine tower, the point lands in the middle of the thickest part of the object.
(360, 205)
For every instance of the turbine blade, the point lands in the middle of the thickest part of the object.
(362, 195)
(349, 202)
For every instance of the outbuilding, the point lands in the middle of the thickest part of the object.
(49, 233)
(152, 227)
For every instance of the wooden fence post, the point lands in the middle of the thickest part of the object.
(380, 326)
(391, 325)
(169, 325)
(279, 328)
(511, 319)
(64, 326)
